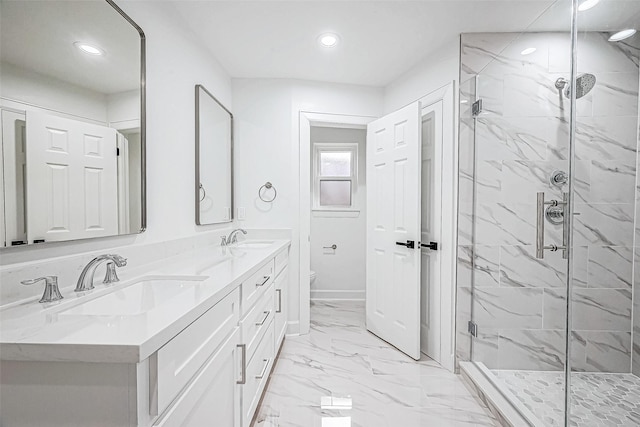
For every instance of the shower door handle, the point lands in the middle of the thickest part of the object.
(540, 216)
(540, 226)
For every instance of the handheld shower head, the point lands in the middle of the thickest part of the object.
(584, 83)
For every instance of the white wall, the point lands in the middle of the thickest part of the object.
(438, 69)
(38, 90)
(123, 107)
(175, 63)
(267, 148)
(341, 273)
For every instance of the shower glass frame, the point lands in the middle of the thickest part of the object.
(566, 145)
(508, 293)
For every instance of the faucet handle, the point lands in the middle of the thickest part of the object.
(111, 276)
(51, 291)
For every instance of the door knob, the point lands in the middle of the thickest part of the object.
(431, 245)
(410, 244)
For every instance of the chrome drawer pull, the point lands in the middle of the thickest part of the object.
(266, 279)
(279, 291)
(264, 369)
(243, 377)
(266, 316)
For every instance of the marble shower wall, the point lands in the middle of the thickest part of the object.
(520, 138)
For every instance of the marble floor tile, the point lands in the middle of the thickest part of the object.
(597, 399)
(341, 375)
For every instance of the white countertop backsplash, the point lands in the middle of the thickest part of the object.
(33, 331)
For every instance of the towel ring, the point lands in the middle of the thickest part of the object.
(204, 192)
(268, 186)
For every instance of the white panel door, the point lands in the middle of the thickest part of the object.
(393, 220)
(13, 165)
(124, 220)
(72, 185)
(430, 324)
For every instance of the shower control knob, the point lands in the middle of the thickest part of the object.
(558, 178)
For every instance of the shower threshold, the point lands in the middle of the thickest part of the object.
(597, 399)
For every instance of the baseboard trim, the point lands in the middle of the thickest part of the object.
(337, 295)
(293, 328)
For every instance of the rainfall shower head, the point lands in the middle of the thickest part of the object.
(584, 83)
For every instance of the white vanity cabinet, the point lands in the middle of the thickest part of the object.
(213, 393)
(193, 377)
(262, 325)
(210, 371)
(281, 297)
(229, 386)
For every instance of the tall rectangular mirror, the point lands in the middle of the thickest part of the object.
(73, 125)
(214, 160)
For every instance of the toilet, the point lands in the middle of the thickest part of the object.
(312, 277)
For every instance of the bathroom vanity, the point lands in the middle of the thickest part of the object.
(188, 342)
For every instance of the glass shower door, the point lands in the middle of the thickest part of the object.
(521, 149)
(605, 328)
(543, 124)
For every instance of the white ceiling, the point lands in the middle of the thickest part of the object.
(278, 39)
(380, 39)
(39, 36)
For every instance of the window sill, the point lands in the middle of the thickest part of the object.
(335, 213)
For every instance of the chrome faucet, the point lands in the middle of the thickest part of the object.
(233, 236)
(85, 282)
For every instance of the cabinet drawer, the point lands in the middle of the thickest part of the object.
(282, 259)
(213, 393)
(255, 323)
(176, 363)
(256, 285)
(281, 307)
(258, 370)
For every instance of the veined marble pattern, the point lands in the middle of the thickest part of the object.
(518, 140)
(596, 399)
(340, 375)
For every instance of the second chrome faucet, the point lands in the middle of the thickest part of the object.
(233, 237)
(85, 282)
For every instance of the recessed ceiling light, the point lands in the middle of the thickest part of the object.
(528, 51)
(88, 49)
(328, 40)
(621, 35)
(587, 4)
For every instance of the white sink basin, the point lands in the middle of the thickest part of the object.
(255, 244)
(206, 268)
(137, 298)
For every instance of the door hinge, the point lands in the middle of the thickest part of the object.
(117, 151)
(476, 108)
(472, 328)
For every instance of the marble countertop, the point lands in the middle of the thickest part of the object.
(30, 331)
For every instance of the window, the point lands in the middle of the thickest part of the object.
(334, 175)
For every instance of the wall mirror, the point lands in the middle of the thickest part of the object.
(73, 127)
(214, 160)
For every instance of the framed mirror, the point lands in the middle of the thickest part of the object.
(72, 99)
(214, 160)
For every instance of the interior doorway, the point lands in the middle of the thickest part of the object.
(414, 283)
(338, 214)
